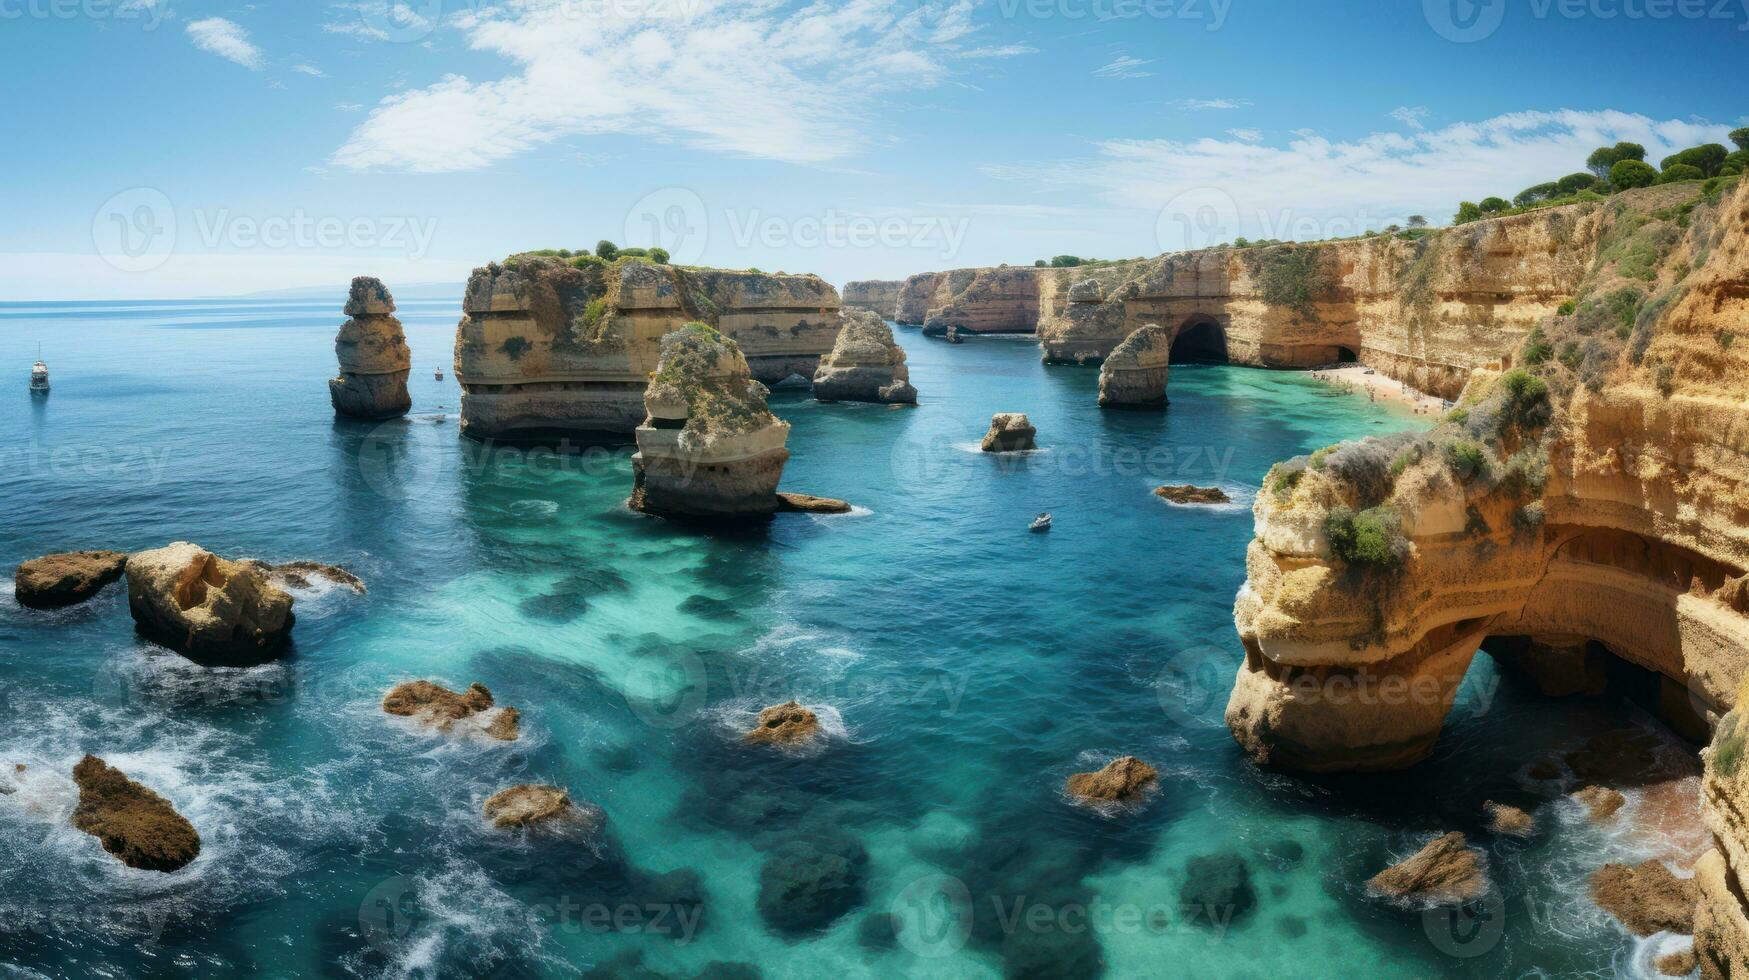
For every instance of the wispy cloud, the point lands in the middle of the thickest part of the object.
(1204, 105)
(1124, 66)
(1246, 135)
(349, 106)
(1412, 116)
(226, 39)
(1345, 185)
(381, 20)
(741, 77)
(311, 70)
(1000, 51)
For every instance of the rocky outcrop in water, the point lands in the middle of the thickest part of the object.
(66, 579)
(139, 827)
(710, 447)
(878, 296)
(1122, 780)
(373, 354)
(1010, 432)
(302, 574)
(527, 805)
(551, 348)
(206, 607)
(802, 503)
(784, 724)
(865, 365)
(1187, 494)
(1595, 492)
(1508, 820)
(442, 709)
(1134, 376)
(1445, 872)
(1647, 898)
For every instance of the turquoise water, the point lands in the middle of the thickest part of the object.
(963, 667)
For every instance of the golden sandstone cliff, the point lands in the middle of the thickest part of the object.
(878, 296)
(550, 346)
(1000, 300)
(373, 355)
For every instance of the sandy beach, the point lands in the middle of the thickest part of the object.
(1360, 380)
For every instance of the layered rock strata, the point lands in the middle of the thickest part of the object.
(999, 300)
(1721, 914)
(199, 604)
(554, 349)
(1134, 376)
(1010, 432)
(53, 581)
(373, 354)
(878, 296)
(709, 446)
(865, 364)
(1599, 492)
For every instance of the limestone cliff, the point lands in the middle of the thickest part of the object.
(1000, 300)
(553, 347)
(1134, 376)
(1721, 918)
(1592, 501)
(865, 365)
(878, 296)
(373, 354)
(710, 447)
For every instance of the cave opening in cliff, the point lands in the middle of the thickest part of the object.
(1346, 355)
(1199, 342)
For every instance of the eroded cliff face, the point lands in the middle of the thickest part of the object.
(878, 296)
(1594, 500)
(865, 365)
(547, 348)
(1000, 300)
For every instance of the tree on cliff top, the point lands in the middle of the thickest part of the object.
(1417, 221)
(1632, 173)
(1741, 138)
(605, 249)
(1604, 158)
(1707, 159)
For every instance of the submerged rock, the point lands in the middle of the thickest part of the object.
(373, 355)
(1123, 780)
(1647, 898)
(1217, 889)
(299, 574)
(1678, 964)
(1187, 494)
(710, 447)
(1445, 872)
(199, 604)
(1600, 802)
(784, 724)
(1624, 757)
(440, 708)
(865, 365)
(526, 805)
(139, 827)
(1009, 432)
(1508, 820)
(806, 885)
(66, 579)
(807, 504)
(1134, 375)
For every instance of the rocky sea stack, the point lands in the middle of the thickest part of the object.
(53, 581)
(1134, 376)
(1445, 872)
(373, 354)
(1010, 432)
(784, 724)
(710, 447)
(135, 824)
(527, 806)
(206, 607)
(865, 365)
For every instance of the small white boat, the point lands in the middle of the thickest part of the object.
(1040, 524)
(39, 376)
(440, 374)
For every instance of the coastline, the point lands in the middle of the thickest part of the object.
(1360, 380)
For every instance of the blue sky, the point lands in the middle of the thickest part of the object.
(168, 148)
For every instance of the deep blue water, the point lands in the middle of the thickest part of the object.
(964, 666)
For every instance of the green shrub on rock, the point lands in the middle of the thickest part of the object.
(1372, 538)
(1632, 173)
(1681, 171)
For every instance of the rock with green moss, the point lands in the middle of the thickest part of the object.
(865, 365)
(373, 355)
(710, 447)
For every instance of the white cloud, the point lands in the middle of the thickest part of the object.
(380, 20)
(1124, 66)
(740, 77)
(226, 39)
(349, 106)
(1412, 116)
(310, 70)
(1204, 105)
(1246, 135)
(1001, 51)
(1314, 187)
